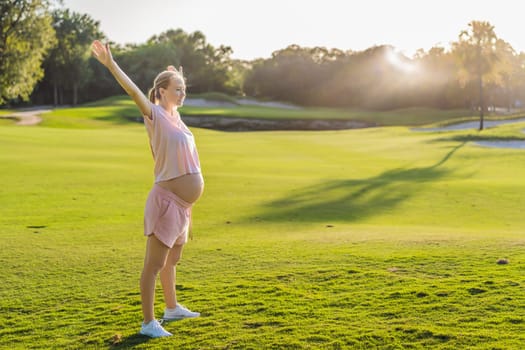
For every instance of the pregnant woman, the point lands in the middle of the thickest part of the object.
(178, 184)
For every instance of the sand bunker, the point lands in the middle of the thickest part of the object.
(517, 144)
(29, 116)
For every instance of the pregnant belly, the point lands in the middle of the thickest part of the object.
(187, 187)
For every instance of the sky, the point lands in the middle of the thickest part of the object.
(254, 28)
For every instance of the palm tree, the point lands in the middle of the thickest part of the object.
(476, 51)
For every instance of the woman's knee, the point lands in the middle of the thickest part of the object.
(154, 265)
(175, 255)
(173, 260)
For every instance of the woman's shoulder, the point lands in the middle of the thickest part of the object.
(155, 108)
(158, 112)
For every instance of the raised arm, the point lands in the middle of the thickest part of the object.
(103, 54)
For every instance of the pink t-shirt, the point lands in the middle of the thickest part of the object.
(172, 144)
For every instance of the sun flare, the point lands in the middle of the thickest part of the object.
(400, 62)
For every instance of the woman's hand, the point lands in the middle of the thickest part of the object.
(102, 53)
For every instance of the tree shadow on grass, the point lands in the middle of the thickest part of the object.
(353, 200)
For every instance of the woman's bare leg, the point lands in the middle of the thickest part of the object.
(168, 276)
(156, 254)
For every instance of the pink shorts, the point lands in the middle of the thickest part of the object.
(167, 217)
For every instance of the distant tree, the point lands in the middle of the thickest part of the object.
(67, 67)
(26, 34)
(437, 84)
(480, 70)
(477, 52)
(237, 71)
(507, 72)
(293, 74)
(518, 80)
(371, 82)
(101, 83)
(144, 62)
(208, 68)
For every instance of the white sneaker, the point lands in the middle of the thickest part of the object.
(154, 330)
(178, 313)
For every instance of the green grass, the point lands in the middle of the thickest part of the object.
(363, 239)
(6, 121)
(113, 111)
(120, 110)
(5, 111)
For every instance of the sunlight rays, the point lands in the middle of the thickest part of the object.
(400, 62)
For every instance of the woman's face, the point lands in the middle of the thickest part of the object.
(175, 92)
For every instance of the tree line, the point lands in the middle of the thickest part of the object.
(45, 58)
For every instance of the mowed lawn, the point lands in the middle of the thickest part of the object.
(377, 238)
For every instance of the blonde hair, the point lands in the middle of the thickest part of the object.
(162, 81)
